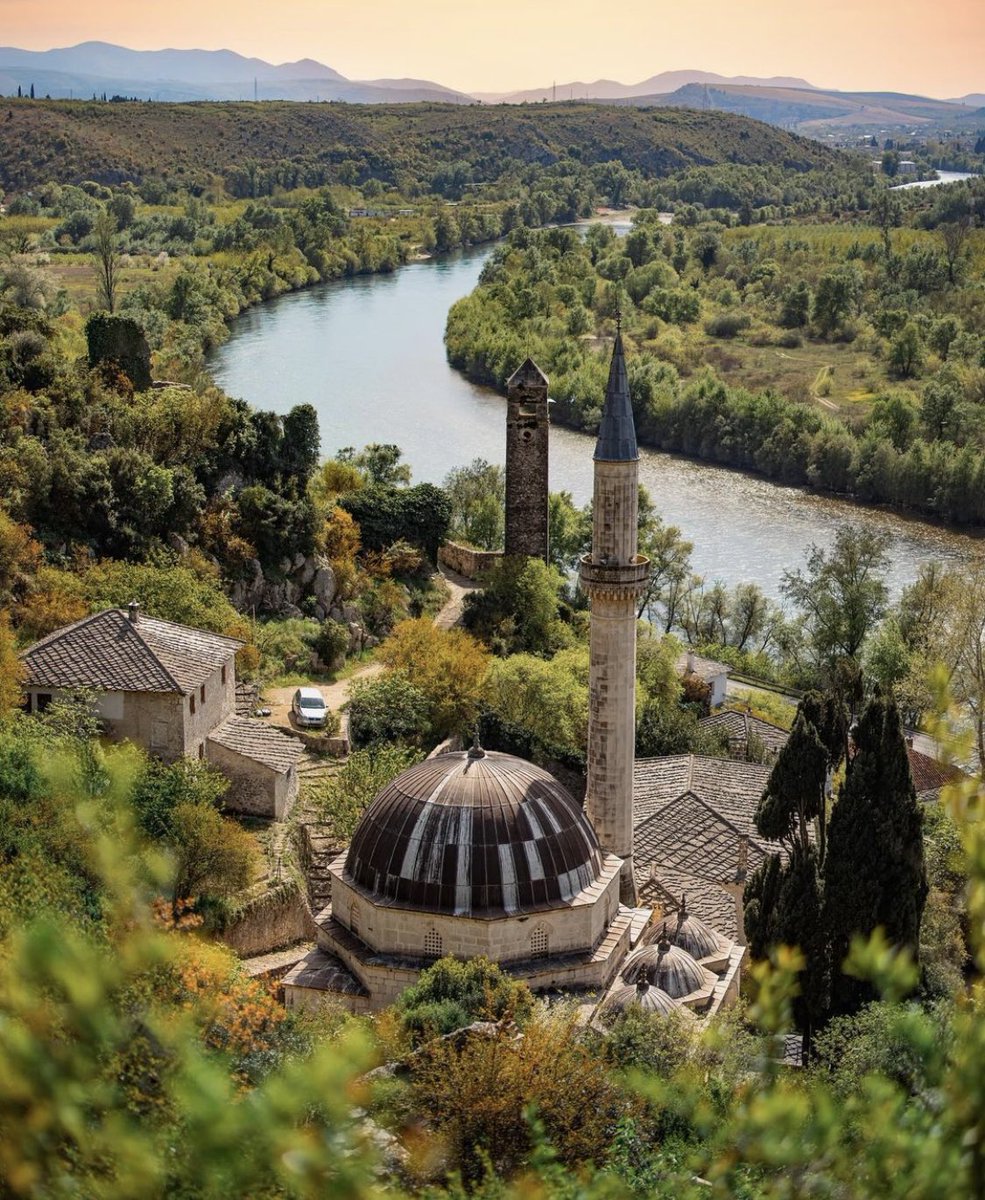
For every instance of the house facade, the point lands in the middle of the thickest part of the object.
(171, 690)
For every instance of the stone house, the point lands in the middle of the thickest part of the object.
(171, 690)
(714, 674)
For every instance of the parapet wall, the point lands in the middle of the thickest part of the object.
(466, 560)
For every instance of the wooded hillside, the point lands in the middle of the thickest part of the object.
(71, 141)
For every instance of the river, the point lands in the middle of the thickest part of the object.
(368, 354)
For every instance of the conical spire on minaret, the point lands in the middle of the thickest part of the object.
(617, 431)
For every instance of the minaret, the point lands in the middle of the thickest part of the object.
(527, 425)
(613, 575)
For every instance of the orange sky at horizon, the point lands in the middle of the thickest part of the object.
(871, 45)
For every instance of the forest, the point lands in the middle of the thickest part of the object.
(847, 356)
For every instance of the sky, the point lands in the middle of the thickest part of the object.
(917, 46)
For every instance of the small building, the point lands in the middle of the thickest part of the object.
(742, 729)
(170, 689)
(714, 674)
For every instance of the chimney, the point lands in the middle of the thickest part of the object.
(742, 866)
(690, 662)
(133, 612)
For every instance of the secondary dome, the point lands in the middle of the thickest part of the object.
(672, 970)
(642, 995)
(690, 933)
(474, 833)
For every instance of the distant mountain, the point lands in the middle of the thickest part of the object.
(813, 110)
(975, 100)
(608, 89)
(96, 67)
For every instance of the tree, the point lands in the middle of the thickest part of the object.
(379, 461)
(838, 295)
(213, 856)
(954, 235)
(874, 875)
(106, 256)
(547, 698)
(786, 896)
(842, 593)
(343, 798)
(906, 351)
(447, 666)
(301, 443)
(518, 608)
(385, 710)
(11, 669)
(477, 494)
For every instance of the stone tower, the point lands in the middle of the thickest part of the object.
(613, 575)
(527, 426)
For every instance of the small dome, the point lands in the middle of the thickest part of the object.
(641, 995)
(474, 833)
(692, 934)
(670, 968)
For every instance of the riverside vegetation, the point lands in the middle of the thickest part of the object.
(848, 356)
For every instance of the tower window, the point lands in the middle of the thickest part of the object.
(432, 944)
(354, 917)
(539, 943)
(191, 703)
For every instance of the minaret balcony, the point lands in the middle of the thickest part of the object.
(613, 579)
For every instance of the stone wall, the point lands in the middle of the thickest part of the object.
(254, 788)
(466, 560)
(273, 920)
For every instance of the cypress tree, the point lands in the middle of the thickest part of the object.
(874, 875)
(783, 900)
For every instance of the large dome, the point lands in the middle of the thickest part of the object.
(474, 833)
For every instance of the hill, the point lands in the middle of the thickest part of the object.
(94, 68)
(809, 110)
(609, 89)
(72, 141)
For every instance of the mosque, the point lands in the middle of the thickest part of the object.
(481, 853)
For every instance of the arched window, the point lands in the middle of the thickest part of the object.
(539, 943)
(432, 944)
(354, 917)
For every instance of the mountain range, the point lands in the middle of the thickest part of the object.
(97, 68)
(94, 68)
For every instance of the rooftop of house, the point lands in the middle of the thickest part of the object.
(740, 726)
(661, 888)
(705, 668)
(258, 741)
(120, 650)
(930, 774)
(694, 815)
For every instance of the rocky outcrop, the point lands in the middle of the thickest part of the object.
(295, 581)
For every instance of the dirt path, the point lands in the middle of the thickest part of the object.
(278, 700)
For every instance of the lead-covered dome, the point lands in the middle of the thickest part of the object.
(474, 833)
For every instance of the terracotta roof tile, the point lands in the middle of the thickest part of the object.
(111, 653)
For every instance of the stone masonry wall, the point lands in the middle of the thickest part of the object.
(466, 560)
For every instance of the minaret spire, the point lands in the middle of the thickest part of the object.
(614, 575)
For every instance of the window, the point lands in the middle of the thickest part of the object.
(41, 701)
(539, 943)
(223, 673)
(201, 693)
(354, 917)
(432, 944)
(191, 703)
(201, 749)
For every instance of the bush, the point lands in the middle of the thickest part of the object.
(385, 710)
(727, 324)
(451, 994)
(343, 799)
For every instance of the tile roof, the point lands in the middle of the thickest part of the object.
(729, 786)
(259, 741)
(692, 813)
(710, 901)
(739, 725)
(705, 668)
(325, 973)
(110, 652)
(929, 774)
